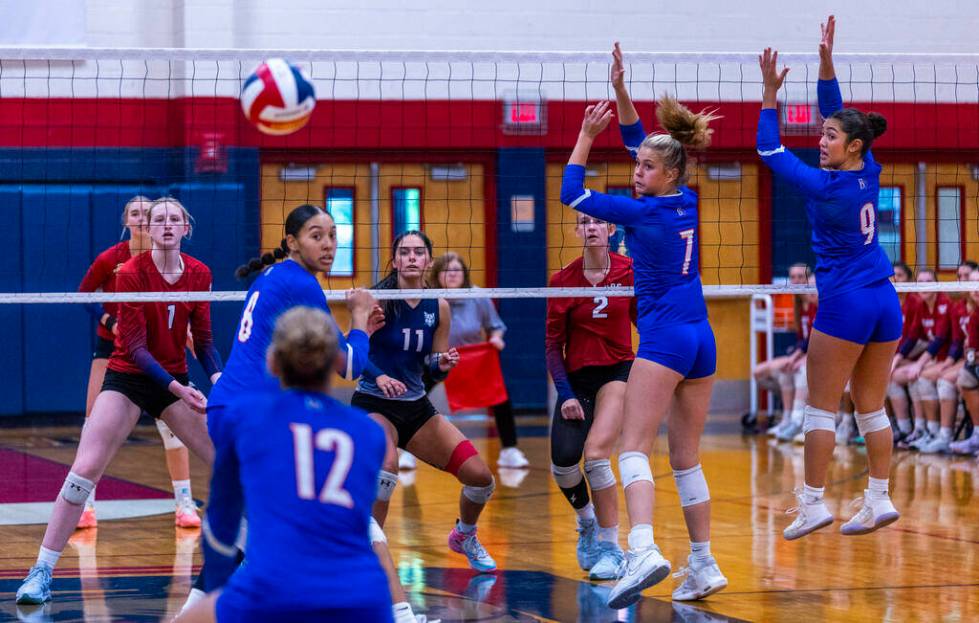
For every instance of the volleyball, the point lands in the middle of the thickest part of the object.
(278, 98)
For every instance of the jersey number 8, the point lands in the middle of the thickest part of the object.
(247, 322)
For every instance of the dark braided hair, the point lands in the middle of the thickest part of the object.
(294, 223)
(390, 281)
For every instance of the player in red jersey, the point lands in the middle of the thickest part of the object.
(589, 355)
(927, 332)
(968, 380)
(101, 276)
(147, 372)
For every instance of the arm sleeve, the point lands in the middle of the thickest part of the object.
(611, 208)
(632, 137)
(357, 351)
(200, 328)
(907, 345)
(784, 163)
(491, 319)
(555, 338)
(829, 96)
(132, 332)
(225, 508)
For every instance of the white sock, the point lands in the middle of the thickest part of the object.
(946, 433)
(47, 557)
(403, 613)
(465, 528)
(181, 492)
(878, 486)
(586, 514)
(813, 494)
(700, 551)
(641, 536)
(610, 534)
(933, 428)
(904, 425)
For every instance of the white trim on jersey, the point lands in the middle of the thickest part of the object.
(584, 196)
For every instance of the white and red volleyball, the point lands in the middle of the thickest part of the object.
(278, 98)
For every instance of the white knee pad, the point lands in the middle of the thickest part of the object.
(818, 419)
(599, 474)
(386, 482)
(946, 390)
(895, 391)
(872, 422)
(566, 477)
(634, 467)
(76, 489)
(170, 441)
(480, 495)
(967, 380)
(780, 380)
(926, 389)
(913, 391)
(376, 532)
(799, 378)
(691, 485)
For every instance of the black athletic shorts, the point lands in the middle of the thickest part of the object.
(141, 390)
(587, 381)
(103, 348)
(408, 416)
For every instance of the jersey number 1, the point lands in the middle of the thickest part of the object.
(327, 439)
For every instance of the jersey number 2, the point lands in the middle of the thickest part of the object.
(687, 234)
(327, 439)
(867, 218)
(601, 302)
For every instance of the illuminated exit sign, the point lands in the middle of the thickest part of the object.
(524, 115)
(800, 118)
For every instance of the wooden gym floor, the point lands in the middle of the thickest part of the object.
(923, 568)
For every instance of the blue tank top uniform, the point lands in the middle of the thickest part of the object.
(401, 348)
(663, 239)
(857, 301)
(304, 469)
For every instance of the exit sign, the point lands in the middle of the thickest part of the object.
(800, 118)
(524, 116)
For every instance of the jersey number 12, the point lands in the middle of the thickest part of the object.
(327, 440)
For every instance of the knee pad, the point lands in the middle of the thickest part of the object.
(818, 419)
(462, 453)
(913, 391)
(480, 495)
(872, 422)
(946, 390)
(691, 485)
(566, 477)
(386, 482)
(634, 467)
(799, 380)
(170, 441)
(926, 389)
(967, 378)
(780, 380)
(376, 532)
(76, 489)
(599, 474)
(895, 391)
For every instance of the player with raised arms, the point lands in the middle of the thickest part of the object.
(588, 348)
(146, 372)
(677, 355)
(415, 336)
(858, 323)
(101, 276)
(303, 468)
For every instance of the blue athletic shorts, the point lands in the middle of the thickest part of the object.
(688, 348)
(869, 314)
(235, 609)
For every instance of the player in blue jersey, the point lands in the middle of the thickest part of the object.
(415, 337)
(858, 324)
(676, 360)
(303, 468)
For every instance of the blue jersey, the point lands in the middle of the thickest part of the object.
(303, 468)
(401, 348)
(279, 288)
(663, 239)
(841, 205)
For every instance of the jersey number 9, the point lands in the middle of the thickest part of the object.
(867, 218)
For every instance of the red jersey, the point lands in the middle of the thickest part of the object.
(934, 323)
(101, 275)
(807, 320)
(910, 306)
(592, 331)
(972, 329)
(160, 327)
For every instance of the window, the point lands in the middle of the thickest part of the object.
(617, 242)
(340, 205)
(949, 227)
(889, 221)
(407, 204)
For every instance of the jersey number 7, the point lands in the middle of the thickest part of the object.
(327, 440)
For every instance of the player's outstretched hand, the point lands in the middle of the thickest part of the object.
(392, 388)
(826, 41)
(360, 300)
(597, 118)
(194, 398)
(617, 72)
(771, 77)
(448, 360)
(571, 410)
(375, 321)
